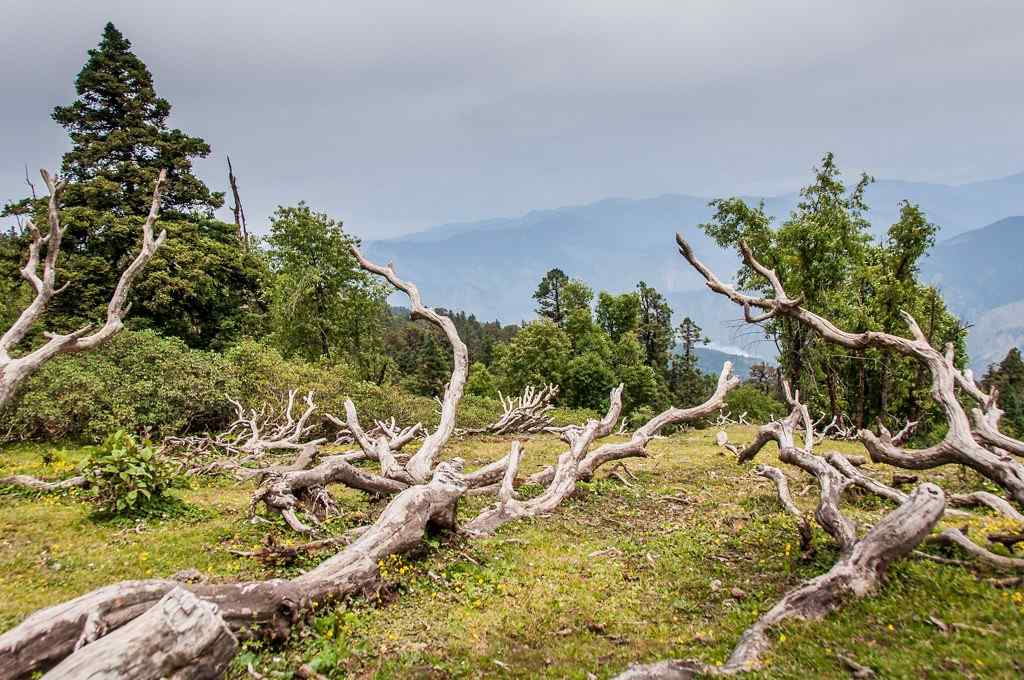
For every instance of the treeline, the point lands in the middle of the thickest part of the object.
(225, 304)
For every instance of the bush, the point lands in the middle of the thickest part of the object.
(139, 382)
(128, 478)
(759, 407)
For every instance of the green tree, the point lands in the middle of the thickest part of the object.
(691, 336)
(537, 355)
(1008, 377)
(481, 382)
(824, 252)
(550, 303)
(322, 304)
(120, 139)
(654, 328)
(587, 381)
(618, 314)
(200, 286)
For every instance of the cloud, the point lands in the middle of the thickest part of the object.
(394, 116)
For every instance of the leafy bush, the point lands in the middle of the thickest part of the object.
(128, 478)
(139, 382)
(759, 407)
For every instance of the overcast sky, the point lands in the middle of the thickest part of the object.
(395, 116)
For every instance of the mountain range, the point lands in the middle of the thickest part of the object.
(491, 267)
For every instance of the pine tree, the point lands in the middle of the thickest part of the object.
(118, 128)
(549, 296)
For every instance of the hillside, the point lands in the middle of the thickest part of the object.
(492, 267)
(978, 273)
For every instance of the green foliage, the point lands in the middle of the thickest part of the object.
(202, 285)
(654, 328)
(618, 314)
(825, 253)
(759, 406)
(537, 355)
(322, 305)
(128, 478)
(1008, 378)
(587, 380)
(481, 382)
(120, 139)
(550, 302)
(139, 382)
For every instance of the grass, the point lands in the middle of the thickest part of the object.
(676, 566)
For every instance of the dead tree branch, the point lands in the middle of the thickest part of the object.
(963, 444)
(861, 566)
(15, 369)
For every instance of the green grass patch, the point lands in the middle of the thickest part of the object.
(676, 566)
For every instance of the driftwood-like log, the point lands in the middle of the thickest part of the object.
(267, 608)
(36, 484)
(861, 566)
(563, 482)
(958, 538)
(960, 445)
(636, 446)
(14, 370)
(180, 636)
(422, 462)
(525, 414)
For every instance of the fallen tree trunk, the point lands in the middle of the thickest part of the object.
(266, 608)
(179, 637)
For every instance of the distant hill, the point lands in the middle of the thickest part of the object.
(979, 274)
(492, 267)
(710, 361)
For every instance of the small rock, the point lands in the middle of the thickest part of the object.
(738, 594)
(716, 585)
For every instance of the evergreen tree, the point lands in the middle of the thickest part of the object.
(120, 139)
(654, 328)
(690, 336)
(550, 303)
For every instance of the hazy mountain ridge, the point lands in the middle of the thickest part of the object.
(492, 267)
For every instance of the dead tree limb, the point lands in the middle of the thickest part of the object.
(422, 462)
(265, 608)
(180, 636)
(959, 445)
(636, 446)
(861, 566)
(236, 209)
(15, 369)
(35, 484)
(525, 414)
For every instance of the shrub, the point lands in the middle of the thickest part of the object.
(139, 382)
(759, 407)
(128, 478)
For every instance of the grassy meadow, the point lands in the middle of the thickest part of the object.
(676, 564)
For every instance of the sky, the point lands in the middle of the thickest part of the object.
(395, 116)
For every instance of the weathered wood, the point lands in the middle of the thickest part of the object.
(267, 608)
(180, 637)
(636, 446)
(36, 484)
(959, 446)
(14, 370)
(861, 566)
